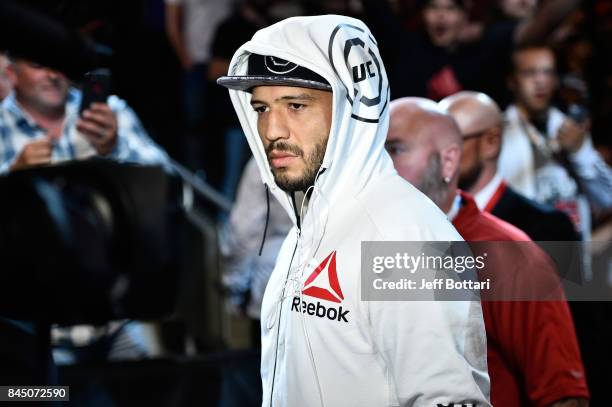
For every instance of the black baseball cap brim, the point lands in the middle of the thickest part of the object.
(265, 70)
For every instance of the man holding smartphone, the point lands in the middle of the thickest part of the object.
(40, 123)
(546, 155)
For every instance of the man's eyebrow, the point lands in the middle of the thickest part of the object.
(301, 96)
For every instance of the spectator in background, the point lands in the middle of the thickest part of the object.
(546, 155)
(190, 26)
(532, 351)
(600, 76)
(40, 124)
(517, 9)
(576, 53)
(446, 65)
(5, 83)
(237, 29)
(480, 122)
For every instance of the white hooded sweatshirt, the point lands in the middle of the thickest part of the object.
(321, 344)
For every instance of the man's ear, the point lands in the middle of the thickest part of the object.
(11, 73)
(490, 144)
(450, 158)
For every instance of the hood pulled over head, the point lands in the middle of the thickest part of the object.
(329, 52)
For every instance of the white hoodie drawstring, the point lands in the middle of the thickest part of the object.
(263, 239)
(313, 251)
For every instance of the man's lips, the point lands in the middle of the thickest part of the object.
(281, 159)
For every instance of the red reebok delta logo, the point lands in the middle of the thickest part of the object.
(323, 282)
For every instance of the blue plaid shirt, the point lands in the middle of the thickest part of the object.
(17, 129)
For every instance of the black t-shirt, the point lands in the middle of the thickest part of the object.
(230, 35)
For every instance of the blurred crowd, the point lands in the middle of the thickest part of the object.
(167, 55)
(528, 83)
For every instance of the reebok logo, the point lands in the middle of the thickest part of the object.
(323, 284)
(319, 310)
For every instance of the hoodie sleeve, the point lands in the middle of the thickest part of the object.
(434, 351)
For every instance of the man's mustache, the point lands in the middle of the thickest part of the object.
(286, 147)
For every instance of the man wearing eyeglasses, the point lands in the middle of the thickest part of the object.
(480, 122)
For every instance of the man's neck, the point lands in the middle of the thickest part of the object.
(486, 175)
(485, 196)
(455, 206)
(531, 116)
(51, 120)
(450, 197)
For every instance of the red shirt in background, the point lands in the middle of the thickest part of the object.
(532, 350)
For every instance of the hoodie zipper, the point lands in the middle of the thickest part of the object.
(280, 312)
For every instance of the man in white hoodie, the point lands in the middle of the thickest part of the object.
(312, 97)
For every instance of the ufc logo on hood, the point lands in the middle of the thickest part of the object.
(354, 52)
(359, 72)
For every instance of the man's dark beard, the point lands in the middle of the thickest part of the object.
(433, 184)
(313, 163)
(467, 181)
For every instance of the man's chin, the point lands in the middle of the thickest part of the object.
(290, 182)
(285, 182)
(53, 104)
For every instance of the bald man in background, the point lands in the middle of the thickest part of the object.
(532, 351)
(480, 122)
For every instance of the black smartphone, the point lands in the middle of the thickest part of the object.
(578, 113)
(96, 88)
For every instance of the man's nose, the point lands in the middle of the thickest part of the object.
(54, 75)
(277, 127)
(542, 76)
